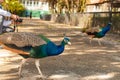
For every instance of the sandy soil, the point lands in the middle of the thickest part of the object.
(80, 61)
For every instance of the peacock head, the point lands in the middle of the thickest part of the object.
(66, 40)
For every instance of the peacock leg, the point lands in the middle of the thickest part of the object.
(90, 41)
(99, 42)
(20, 67)
(37, 65)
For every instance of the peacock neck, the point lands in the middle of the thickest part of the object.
(106, 29)
(61, 47)
(63, 43)
(53, 49)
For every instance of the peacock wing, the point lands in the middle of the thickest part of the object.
(93, 29)
(21, 39)
(96, 29)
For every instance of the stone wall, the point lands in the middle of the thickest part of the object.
(89, 20)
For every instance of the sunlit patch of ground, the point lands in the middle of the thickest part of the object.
(80, 61)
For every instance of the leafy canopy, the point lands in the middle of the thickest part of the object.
(14, 6)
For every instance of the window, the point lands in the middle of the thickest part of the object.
(23, 2)
(34, 3)
(37, 3)
(30, 3)
(27, 2)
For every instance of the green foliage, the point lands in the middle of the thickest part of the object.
(14, 6)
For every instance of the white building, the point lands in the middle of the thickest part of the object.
(37, 7)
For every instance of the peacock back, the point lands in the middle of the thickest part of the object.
(21, 39)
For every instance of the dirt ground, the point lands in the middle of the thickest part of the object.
(80, 61)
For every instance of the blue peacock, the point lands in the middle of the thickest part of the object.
(98, 32)
(29, 45)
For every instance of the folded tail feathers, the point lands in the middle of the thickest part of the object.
(44, 38)
(18, 51)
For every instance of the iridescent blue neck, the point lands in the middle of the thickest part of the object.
(63, 43)
(106, 29)
(53, 49)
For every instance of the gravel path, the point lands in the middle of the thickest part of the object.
(80, 61)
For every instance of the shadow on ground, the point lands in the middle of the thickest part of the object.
(80, 61)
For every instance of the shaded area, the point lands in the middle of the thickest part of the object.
(80, 61)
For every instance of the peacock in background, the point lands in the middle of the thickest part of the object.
(98, 32)
(29, 45)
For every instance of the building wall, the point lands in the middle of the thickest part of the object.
(35, 6)
(94, 1)
(97, 8)
(102, 5)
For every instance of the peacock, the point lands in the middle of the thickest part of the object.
(29, 45)
(98, 32)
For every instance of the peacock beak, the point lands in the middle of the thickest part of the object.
(69, 43)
